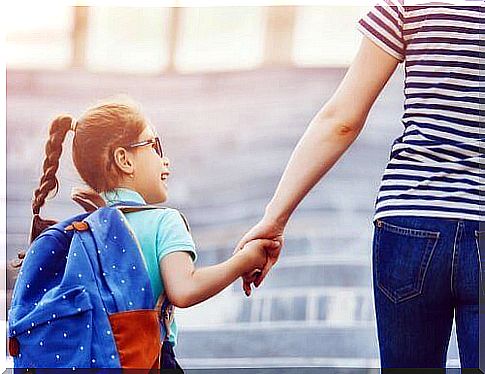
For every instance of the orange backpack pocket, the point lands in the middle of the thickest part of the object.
(137, 337)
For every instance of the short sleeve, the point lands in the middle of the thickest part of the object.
(384, 25)
(173, 235)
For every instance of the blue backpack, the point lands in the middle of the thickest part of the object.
(83, 298)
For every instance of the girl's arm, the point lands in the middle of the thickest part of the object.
(186, 286)
(329, 135)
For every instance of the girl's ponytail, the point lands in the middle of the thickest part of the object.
(48, 182)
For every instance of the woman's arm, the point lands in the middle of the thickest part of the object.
(186, 286)
(329, 135)
(333, 129)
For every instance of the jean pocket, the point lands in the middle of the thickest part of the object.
(480, 242)
(402, 258)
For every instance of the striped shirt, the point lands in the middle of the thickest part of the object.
(434, 166)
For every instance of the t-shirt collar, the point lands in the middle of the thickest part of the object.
(121, 194)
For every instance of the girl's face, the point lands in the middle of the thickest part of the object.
(150, 171)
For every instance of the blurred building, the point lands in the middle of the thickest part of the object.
(160, 40)
(230, 90)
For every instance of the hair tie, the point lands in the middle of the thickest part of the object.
(73, 125)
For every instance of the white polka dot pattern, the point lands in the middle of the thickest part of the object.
(106, 255)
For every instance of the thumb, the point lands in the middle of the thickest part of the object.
(240, 245)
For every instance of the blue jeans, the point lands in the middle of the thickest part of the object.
(425, 272)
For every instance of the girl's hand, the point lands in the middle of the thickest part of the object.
(255, 255)
(265, 229)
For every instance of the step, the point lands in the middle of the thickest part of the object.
(278, 340)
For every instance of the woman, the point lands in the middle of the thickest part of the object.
(426, 261)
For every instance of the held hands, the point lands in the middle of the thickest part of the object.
(255, 255)
(264, 229)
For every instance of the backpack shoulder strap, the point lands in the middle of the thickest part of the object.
(138, 208)
(133, 208)
(185, 221)
(164, 307)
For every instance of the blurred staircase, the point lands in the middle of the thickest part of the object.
(229, 136)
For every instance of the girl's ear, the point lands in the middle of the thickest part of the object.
(124, 160)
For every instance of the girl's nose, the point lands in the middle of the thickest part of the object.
(165, 162)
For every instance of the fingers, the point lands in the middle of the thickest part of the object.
(241, 244)
(275, 244)
(267, 244)
(253, 233)
(247, 288)
(263, 274)
(253, 275)
(257, 276)
(271, 245)
(248, 279)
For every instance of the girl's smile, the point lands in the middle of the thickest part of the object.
(164, 178)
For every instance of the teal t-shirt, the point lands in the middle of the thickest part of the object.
(159, 232)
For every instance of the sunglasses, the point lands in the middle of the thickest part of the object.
(154, 142)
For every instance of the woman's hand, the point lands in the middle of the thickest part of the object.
(264, 229)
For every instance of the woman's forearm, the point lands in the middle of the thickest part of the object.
(322, 144)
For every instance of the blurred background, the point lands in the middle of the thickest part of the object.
(230, 90)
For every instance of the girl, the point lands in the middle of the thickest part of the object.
(120, 157)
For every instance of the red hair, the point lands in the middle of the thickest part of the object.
(97, 133)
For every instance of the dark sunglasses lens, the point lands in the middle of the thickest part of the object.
(158, 147)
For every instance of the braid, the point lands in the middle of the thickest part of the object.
(53, 149)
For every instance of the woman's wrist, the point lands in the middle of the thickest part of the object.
(276, 216)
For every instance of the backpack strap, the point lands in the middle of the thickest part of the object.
(137, 208)
(166, 313)
(185, 221)
(133, 208)
(165, 309)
